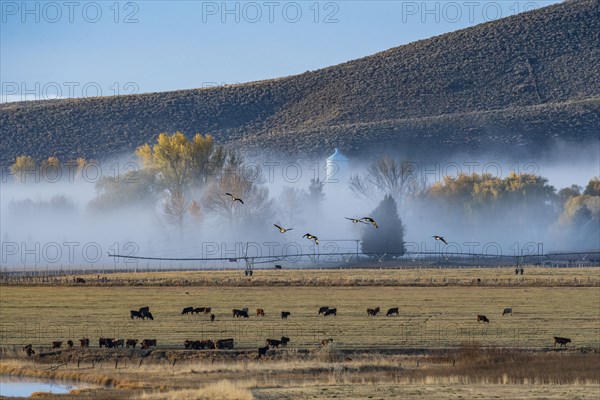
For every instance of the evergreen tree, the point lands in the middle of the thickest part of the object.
(389, 237)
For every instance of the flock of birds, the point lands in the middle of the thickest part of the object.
(309, 236)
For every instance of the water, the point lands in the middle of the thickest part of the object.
(25, 387)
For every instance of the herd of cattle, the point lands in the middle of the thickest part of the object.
(228, 344)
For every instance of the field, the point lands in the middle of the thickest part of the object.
(405, 356)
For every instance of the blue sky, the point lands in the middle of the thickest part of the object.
(83, 48)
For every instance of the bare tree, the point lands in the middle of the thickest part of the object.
(386, 177)
(290, 205)
(175, 208)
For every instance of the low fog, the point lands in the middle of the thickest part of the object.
(53, 224)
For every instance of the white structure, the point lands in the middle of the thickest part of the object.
(335, 167)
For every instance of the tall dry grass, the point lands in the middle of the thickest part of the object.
(221, 390)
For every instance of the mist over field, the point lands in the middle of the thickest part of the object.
(56, 223)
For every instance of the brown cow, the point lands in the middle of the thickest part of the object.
(561, 341)
(393, 311)
(326, 342)
(260, 312)
(222, 344)
(131, 343)
(372, 311)
(56, 345)
(147, 343)
(482, 318)
(85, 342)
(207, 310)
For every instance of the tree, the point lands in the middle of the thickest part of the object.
(385, 177)
(175, 207)
(593, 187)
(389, 238)
(23, 166)
(565, 194)
(139, 188)
(178, 162)
(290, 205)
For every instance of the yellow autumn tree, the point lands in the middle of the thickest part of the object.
(23, 166)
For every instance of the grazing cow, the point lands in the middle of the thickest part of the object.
(79, 280)
(29, 350)
(372, 311)
(207, 310)
(106, 342)
(260, 312)
(285, 314)
(240, 313)
(392, 311)
(245, 309)
(199, 344)
(144, 309)
(85, 342)
(131, 343)
(70, 343)
(331, 311)
(135, 314)
(222, 344)
(561, 341)
(273, 342)
(323, 310)
(262, 351)
(482, 318)
(118, 343)
(277, 266)
(198, 310)
(187, 310)
(212, 317)
(284, 341)
(147, 314)
(507, 311)
(326, 342)
(56, 345)
(147, 343)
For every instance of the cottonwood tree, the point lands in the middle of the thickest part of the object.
(23, 166)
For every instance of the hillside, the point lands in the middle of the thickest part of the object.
(519, 83)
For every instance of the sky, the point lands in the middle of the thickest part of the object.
(52, 49)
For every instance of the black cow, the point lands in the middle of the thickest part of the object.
(147, 314)
(240, 313)
(144, 309)
(392, 311)
(147, 343)
(224, 344)
(198, 310)
(56, 345)
(284, 341)
(372, 311)
(482, 318)
(135, 314)
(212, 317)
(118, 343)
(187, 310)
(207, 310)
(70, 343)
(285, 314)
(106, 342)
(331, 311)
(262, 351)
(323, 310)
(29, 350)
(131, 343)
(85, 342)
(561, 341)
(273, 342)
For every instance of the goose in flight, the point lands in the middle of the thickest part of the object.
(355, 220)
(440, 238)
(234, 198)
(312, 237)
(282, 230)
(371, 221)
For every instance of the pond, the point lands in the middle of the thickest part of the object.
(25, 387)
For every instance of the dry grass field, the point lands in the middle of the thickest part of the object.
(434, 349)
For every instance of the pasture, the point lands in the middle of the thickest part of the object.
(434, 347)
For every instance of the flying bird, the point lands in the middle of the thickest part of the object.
(440, 238)
(234, 198)
(371, 221)
(312, 237)
(282, 230)
(355, 220)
